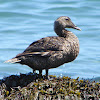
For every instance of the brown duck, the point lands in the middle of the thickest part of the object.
(51, 52)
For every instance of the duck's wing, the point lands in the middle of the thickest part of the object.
(44, 46)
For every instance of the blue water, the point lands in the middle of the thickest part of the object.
(24, 21)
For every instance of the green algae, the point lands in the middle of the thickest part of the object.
(56, 88)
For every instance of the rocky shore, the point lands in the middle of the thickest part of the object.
(33, 87)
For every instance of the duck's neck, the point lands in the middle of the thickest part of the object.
(60, 31)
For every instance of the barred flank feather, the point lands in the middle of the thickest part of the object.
(13, 60)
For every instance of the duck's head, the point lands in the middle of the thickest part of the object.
(65, 22)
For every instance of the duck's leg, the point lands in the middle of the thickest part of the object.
(46, 73)
(40, 72)
(34, 70)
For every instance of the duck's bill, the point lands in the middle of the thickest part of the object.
(77, 28)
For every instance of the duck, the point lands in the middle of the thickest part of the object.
(53, 51)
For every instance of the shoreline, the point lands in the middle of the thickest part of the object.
(31, 87)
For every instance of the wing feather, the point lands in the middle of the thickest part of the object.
(44, 47)
(46, 44)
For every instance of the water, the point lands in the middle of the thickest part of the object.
(22, 22)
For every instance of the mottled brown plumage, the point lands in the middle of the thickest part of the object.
(51, 52)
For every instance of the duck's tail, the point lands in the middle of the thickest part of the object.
(13, 60)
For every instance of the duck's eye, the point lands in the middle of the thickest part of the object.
(66, 19)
